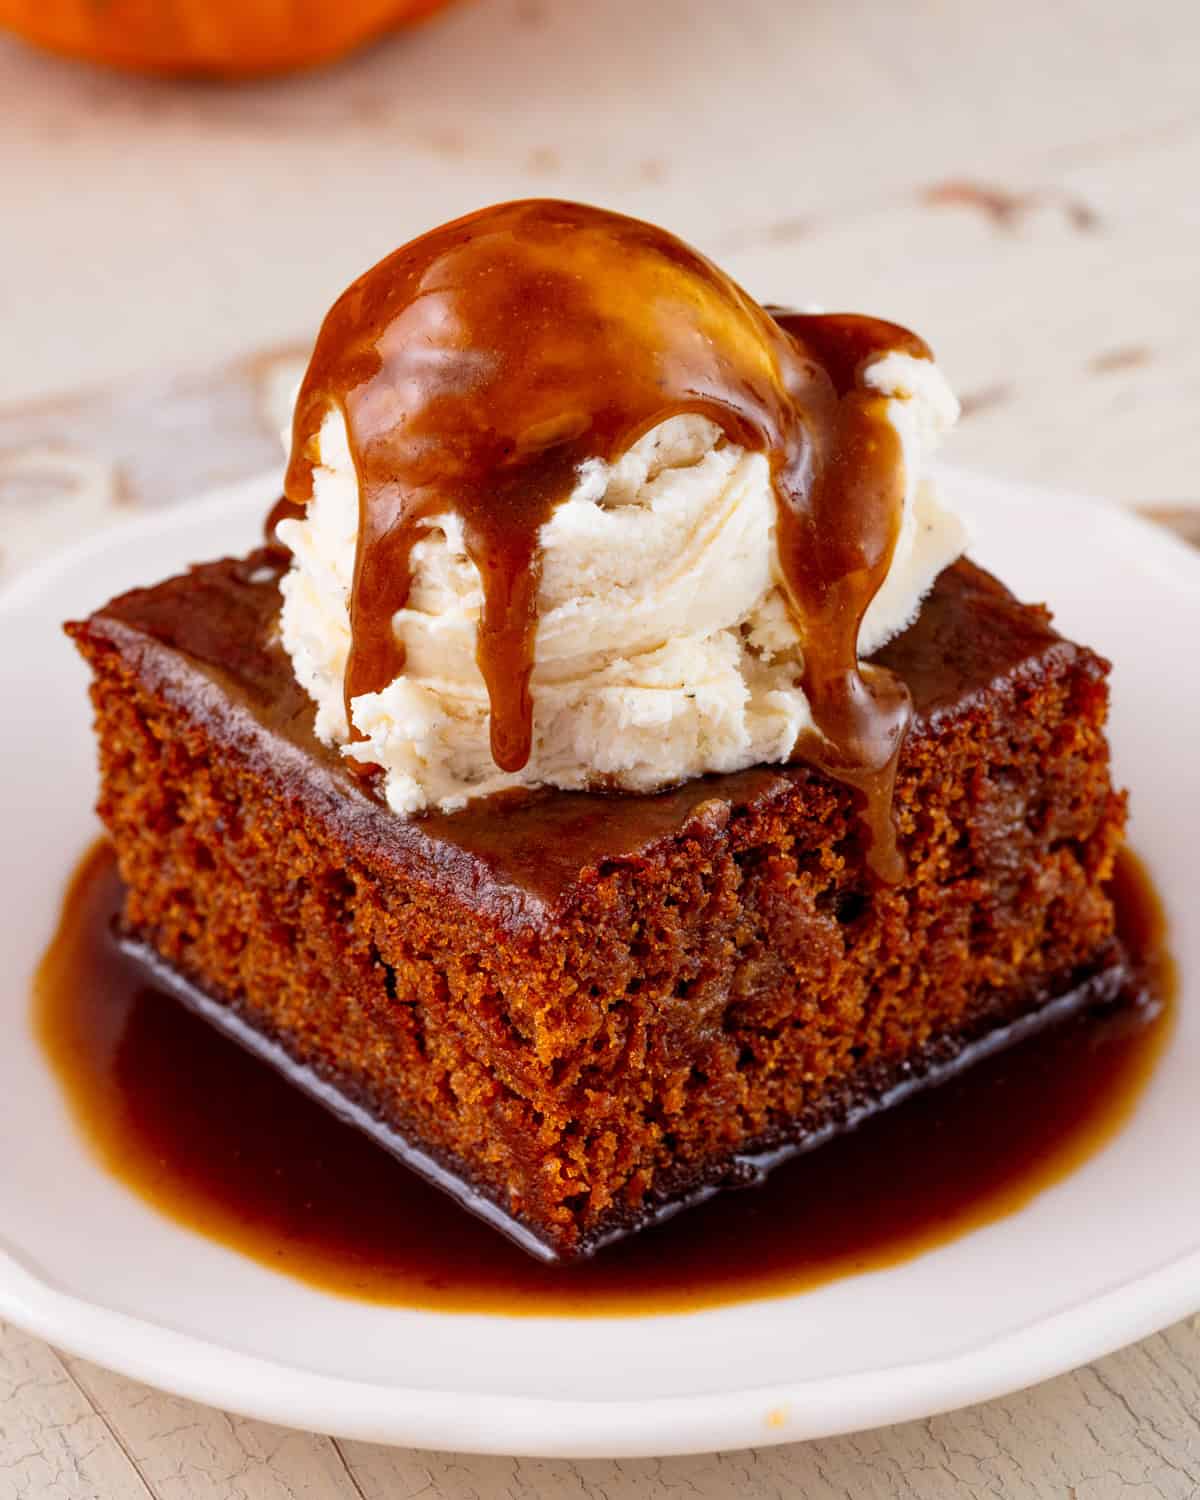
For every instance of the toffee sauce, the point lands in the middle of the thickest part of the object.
(480, 365)
(214, 1139)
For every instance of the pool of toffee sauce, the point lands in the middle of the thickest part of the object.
(211, 1137)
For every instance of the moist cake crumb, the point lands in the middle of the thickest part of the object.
(588, 1007)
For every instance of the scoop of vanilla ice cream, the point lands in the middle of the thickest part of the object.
(664, 647)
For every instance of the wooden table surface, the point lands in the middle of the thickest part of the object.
(1020, 181)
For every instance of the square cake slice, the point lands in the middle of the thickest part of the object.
(582, 1012)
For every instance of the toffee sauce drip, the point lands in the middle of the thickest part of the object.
(479, 366)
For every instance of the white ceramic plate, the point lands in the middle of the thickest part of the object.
(1103, 1258)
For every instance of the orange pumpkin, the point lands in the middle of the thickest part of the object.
(217, 38)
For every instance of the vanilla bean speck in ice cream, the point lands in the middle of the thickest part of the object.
(571, 510)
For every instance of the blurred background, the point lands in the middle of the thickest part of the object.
(1016, 181)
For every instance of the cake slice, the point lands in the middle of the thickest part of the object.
(580, 1011)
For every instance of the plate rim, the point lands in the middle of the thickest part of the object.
(540, 1427)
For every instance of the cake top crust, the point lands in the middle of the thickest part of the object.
(207, 640)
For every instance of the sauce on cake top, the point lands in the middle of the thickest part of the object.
(478, 367)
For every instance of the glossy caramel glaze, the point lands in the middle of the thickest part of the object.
(479, 366)
(215, 1139)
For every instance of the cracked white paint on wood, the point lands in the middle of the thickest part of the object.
(1017, 180)
(1125, 1428)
